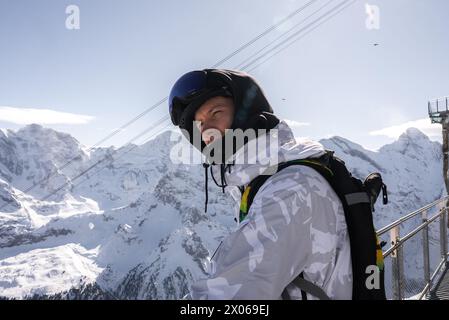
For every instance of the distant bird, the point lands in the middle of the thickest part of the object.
(376, 44)
(283, 99)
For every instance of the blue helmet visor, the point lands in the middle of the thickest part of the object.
(188, 86)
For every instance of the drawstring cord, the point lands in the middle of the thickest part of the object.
(213, 177)
(223, 168)
(222, 172)
(222, 177)
(206, 165)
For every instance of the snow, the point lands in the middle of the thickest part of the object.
(136, 226)
(48, 270)
(4, 131)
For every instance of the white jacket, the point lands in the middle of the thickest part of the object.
(295, 224)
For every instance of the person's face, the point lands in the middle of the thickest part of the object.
(215, 116)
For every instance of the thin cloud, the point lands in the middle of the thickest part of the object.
(296, 124)
(25, 116)
(424, 125)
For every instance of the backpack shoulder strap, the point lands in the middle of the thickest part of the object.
(356, 201)
(247, 199)
(306, 287)
(251, 190)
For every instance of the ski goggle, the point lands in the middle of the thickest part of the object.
(188, 86)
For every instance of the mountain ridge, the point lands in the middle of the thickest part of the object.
(136, 226)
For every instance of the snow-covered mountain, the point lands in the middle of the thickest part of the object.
(412, 168)
(133, 226)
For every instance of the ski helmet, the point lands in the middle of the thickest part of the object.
(190, 91)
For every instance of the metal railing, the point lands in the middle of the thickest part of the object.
(396, 251)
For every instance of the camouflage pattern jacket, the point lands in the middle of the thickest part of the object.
(295, 224)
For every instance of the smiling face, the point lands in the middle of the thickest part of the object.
(215, 116)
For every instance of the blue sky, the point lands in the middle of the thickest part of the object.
(127, 54)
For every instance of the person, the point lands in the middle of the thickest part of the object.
(295, 226)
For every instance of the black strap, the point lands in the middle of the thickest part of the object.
(205, 166)
(310, 288)
(285, 295)
(358, 216)
(319, 164)
(306, 287)
(384, 194)
(303, 293)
